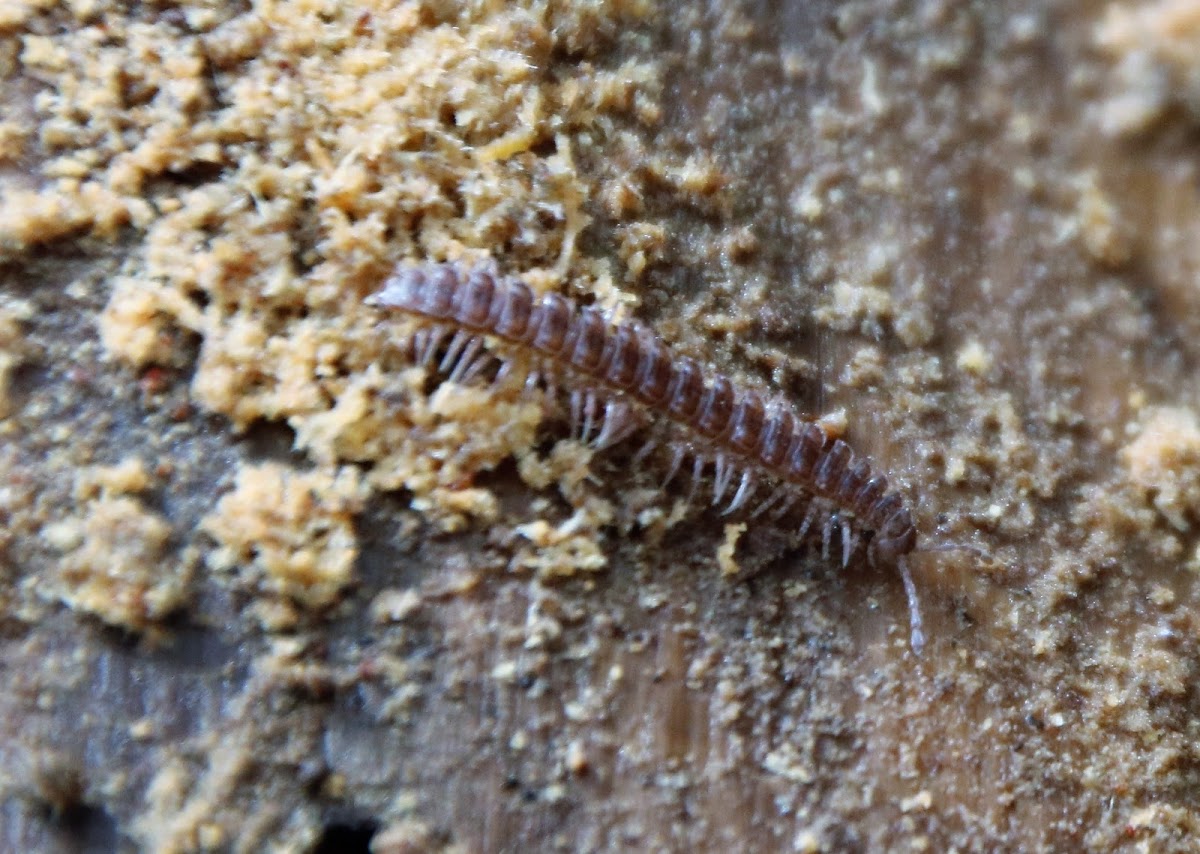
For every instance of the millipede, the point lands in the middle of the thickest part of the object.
(618, 378)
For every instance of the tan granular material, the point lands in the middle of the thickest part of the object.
(1156, 47)
(13, 349)
(117, 569)
(561, 550)
(326, 145)
(117, 564)
(725, 552)
(1163, 462)
(289, 534)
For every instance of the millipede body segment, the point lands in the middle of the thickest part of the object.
(620, 378)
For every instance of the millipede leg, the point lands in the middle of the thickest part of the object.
(809, 516)
(916, 632)
(476, 367)
(416, 344)
(629, 426)
(722, 477)
(435, 340)
(789, 499)
(697, 474)
(502, 375)
(778, 493)
(618, 424)
(677, 454)
(744, 491)
(827, 535)
(430, 343)
(847, 541)
(644, 451)
(457, 343)
(589, 415)
(466, 358)
(577, 413)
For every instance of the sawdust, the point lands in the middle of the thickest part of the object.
(117, 563)
(13, 349)
(300, 211)
(911, 219)
(1156, 47)
(291, 534)
(1163, 461)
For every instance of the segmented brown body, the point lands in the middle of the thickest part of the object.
(637, 378)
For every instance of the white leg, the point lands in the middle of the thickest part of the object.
(848, 539)
(809, 517)
(576, 413)
(697, 473)
(589, 415)
(744, 491)
(722, 477)
(429, 346)
(777, 494)
(466, 358)
(618, 423)
(643, 452)
(457, 343)
(677, 455)
(789, 499)
(476, 367)
(916, 632)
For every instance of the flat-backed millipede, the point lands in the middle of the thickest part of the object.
(619, 377)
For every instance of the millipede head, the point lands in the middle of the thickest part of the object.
(403, 290)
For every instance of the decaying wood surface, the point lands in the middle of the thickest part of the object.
(265, 587)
